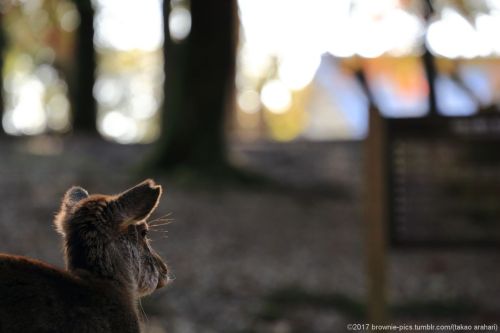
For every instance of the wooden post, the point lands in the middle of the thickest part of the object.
(376, 218)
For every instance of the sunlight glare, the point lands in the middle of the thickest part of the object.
(488, 27)
(129, 24)
(249, 101)
(179, 23)
(341, 44)
(255, 62)
(58, 110)
(119, 127)
(108, 92)
(297, 71)
(343, 28)
(47, 74)
(369, 38)
(69, 16)
(143, 105)
(402, 30)
(276, 97)
(28, 115)
(442, 37)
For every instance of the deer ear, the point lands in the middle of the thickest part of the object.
(73, 196)
(139, 202)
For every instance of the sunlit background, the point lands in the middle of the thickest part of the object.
(295, 64)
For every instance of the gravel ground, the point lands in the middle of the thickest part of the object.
(231, 249)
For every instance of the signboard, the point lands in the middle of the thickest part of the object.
(443, 177)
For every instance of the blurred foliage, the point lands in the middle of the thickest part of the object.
(41, 29)
(40, 51)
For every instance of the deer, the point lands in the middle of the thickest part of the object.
(110, 266)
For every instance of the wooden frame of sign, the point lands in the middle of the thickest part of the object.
(436, 180)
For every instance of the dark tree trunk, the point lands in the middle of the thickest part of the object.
(81, 83)
(429, 64)
(363, 82)
(199, 83)
(430, 74)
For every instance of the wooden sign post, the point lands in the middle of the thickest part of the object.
(430, 181)
(376, 219)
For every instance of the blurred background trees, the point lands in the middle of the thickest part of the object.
(287, 88)
(197, 78)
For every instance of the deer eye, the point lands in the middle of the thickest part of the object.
(144, 233)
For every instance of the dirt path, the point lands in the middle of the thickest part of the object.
(248, 260)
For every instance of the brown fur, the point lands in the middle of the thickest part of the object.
(109, 266)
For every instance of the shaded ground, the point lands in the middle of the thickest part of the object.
(285, 259)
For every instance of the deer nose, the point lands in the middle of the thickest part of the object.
(163, 273)
(162, 281)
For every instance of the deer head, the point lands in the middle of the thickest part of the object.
(106, 237)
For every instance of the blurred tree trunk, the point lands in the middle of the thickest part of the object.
(429, 63)
(199, 85)
(81, 83)
(3, 46)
